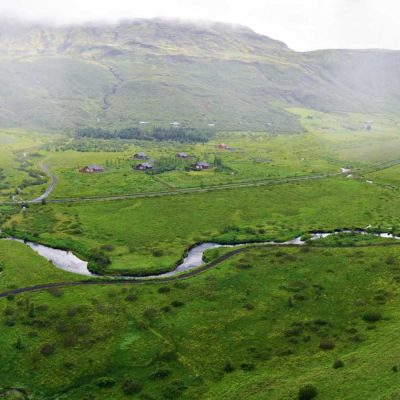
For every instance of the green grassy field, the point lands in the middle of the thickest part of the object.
(264, 323)
(256, 156)
(19, 165)
(261, 324)
(330, 142)
(150, 235)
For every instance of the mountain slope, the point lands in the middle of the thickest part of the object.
(164, 71)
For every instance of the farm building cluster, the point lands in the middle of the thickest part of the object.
(147, 164)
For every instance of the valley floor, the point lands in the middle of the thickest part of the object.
(259, 324)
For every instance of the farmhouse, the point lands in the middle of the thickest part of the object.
(140, 156)
(182, 155)
(143, 166)
(201, 165)
(92, 169)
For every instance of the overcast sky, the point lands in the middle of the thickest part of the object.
(302, 24)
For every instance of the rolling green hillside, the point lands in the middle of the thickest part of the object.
(165, 71)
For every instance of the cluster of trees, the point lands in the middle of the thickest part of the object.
(165, 164)
(183, 135)
(220, 166)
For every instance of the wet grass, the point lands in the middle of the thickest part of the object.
(229, 333)
(151, 235)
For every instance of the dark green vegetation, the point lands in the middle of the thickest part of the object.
(164, 72)
(177, 134)
(229, 333)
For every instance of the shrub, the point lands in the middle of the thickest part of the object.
(70, 341)
(157, 253)
(372, 316)
(174, 390)
(100, 257)
(229, 366)
(10, 321)
(56, 292)
(62, 327)
(300, 297)
(338, 364)
(241, 265)
(390, 260)
(293, 332)
(131, 297)
(131, 386)
(167, 356)
(72, 311)
(164, 289)
(247, 367)
(47, 349)
(105, 382)
(327, 345)
(177, 303)
(307, 392)
(31, 312)
(82, 329)
(320, 322)
(291, 257)
(8, 311)
(107, 247)
(69, 365)
(42, 307)
(181, 285)
(285, 352)
(18, 344)
(380, 298)
(150, 313)
(160, 373)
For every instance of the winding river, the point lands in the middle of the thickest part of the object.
(69, 262)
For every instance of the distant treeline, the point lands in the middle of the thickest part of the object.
(183, 135)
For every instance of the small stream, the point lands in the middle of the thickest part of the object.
(67, 261)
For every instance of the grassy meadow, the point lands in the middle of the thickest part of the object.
(150, 235)
(254, 156)
(261, 324)
(264, 323)
(20, 174)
